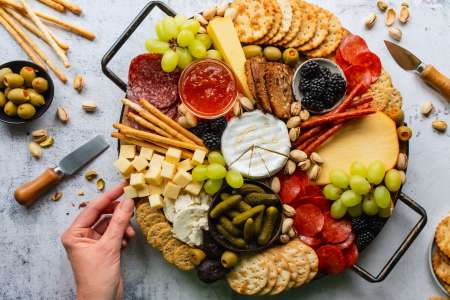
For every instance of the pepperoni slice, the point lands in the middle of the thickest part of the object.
(351, 255)
(358, 74)
(351, 46)
(340, 60)
(349, 241)
(331, 259)
(336, 231)
(309, 220)
(290, 188)
(318, 201)
(313, 242)
(370, 61)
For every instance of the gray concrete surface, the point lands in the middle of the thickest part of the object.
(33, 264)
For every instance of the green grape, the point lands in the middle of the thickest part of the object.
(331, 192)
(393, 180)
(212, 186)
(339, 178)
(161, 32)
(213, 53)
(215, 157)
(338, 209)
(355, 211)
(170, 28)
(216, 171)
(191, 25)
(386, 212)
(184, 57)
(200, 173)
(234, 179)
(375, 172)
(349, 198)
(382, 196)
(358, 168)
(185, 37)
(369, 206)
(197, 49)
(156, 46)
(169, 61)
(359, 185)
(179, 20)
(205, 39)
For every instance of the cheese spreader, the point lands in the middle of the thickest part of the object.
(29, 192)
(429, 74)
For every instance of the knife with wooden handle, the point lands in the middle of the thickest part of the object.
(429, 74)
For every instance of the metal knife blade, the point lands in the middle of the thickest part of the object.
(403, 57)
(84, 154)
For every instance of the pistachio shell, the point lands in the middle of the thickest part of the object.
(191, 120)
(391, 15)
(221, 9)
(237, 109)
(201, 19)
(210, 13)
(382, 5)
(314, 172)
(439, 125)
(296, 108)
(62, 114)
(298, 155)
(246, 104)
(183, 122)
(47, 142)
(275, 185)
(90, 175)
(78, 83)
(39, 135)
(35, 150)
(426, 108)
(288, 211)
(402, 161)
(100, 184)
(294, 133)
(304, 115)
(304, 165)
(404, 14)
(287, 225)
(290, 167)
(293, 122)
(284, 238)
(89, 106)
(370, 20)
(395, 33)
(316, 158)
(230, 12)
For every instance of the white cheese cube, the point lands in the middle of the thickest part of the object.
(139, 163)
(199, 156)
(156, 161)
(171, 190)
(155, 201)
(182, 178)
(123, 165)
(173, 155)
(167, 170)
(155, 189)
(130, 192)
(194, 188)
(186, 165)
(146, 153)
(127, 151)
(143, 192)
(153, 176)
(137, 180)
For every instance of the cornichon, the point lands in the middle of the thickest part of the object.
(225, 205)
(250, 188)
(232, 213)
(243, 206)
(271, 216)
(238, 242)
(228, 226)
(224, 196)
(248, 230)
(242, 217)
(261, 198)
(258, 223)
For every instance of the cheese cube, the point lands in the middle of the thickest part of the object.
(156, 201)
(139, 163)
(182, 178)
(186, 165)
(123, 165)
(130, 192)
(127, 151)
(156, 161)
(143, 192)
(171, 190)
(167, 170)
(137, 180)
(173, 155)
(146, 153)
(155, 189)
(199, 156)
(194, 188)
(153, 176)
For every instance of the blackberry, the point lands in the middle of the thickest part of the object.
(360, 224)
(218, 125)
(310, 70)
(201, 128)
(376, 224)
(211, 140)
(312, 103)
(337, 84)
(364, 239)
(325, 72)
(304, 85)
(316, 88)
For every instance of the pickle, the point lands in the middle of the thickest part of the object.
(250, 188)
(242, 217)
(261, 198)
(224, 196)
(271, 216)
(238, 242)
(225, 205)
(232, 213)
(249, 230)
(228, 226)
(243, 206)
(258, 223)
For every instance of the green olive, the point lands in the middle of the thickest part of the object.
(3, 72)
(229, 259)
(26, 111)
(28, 74)
(2, 99)
(290, 56)
(35, 98)
(252, 51)
(40, 85)
(10, 109)
(272, 53)
(18, 96)
(13, 80)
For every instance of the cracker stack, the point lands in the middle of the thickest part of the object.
(441, 257)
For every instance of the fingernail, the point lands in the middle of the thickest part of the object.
(127, 206)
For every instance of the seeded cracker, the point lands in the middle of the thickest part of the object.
(283, 273)
(394, 101)
(332, 40)
(249, 276)
(308, 26)
(323, 17)
(277, 16)
(150, 220)
(441, 269)
(142, 210)
(272, 275)
(154, 231)
(164, 236)
(169, 249)
(295, 24)
(182, 258)
(253, 20)
(286, 20)
(443, 236)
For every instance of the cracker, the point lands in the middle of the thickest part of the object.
(253, 20)
(395, 101)
(150, 220)
(272, 275)
(142, 211)
(379, 91)
(286, 20)
(296, 254)
(277, 17)
(154, 231)
(249, 276)
(169, 249)
(332, 41)
(182, 258)
(323, 17)
(446, 286)
(441, 269)
(308, 26)
(311, 257)
(442, 236)
(284, 275)
(295, 24)
(292, 266)
(162, 238)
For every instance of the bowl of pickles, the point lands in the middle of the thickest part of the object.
(26, 92)
(247, 219)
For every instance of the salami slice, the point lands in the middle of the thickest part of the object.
(171, 111)
(351, 255)
(318, 201)
(349, 241)
(370, 61)
(331, 259)
(351, 46)
(356, 75)
(309, 220)
(290, 188)
(313, 242)
(336, 231)
(340, 60)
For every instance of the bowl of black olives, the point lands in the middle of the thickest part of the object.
(26, 92)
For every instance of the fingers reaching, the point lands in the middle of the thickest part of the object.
(119, 223)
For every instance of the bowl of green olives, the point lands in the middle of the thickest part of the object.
(247, 219)
(26, 92)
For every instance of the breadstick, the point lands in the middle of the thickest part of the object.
(22, 44)
(141, 121)
(347, 101)
(360, 102)
(170, 122)
(53, 4)
(336, 117)
(70, 6)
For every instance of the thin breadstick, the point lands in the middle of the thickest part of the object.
(33, 45)
(141, 121)
(323, 138)
(52, 4)
(160, 115)
(336, 117)
(70, 6)
(154, 138)
(36, 59)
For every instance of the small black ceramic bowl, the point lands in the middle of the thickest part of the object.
(16, 66)
(254, 247)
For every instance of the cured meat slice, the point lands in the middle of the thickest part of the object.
(313, 242)
(290, 188)
(370, 61)
(331, 259)
(318, 201)
(356, 75)
(351, 255)
(340, 60)
(349, 241)
(351, 46)
(309, 220)
(336, 231)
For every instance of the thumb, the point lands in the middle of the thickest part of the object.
(119, 223)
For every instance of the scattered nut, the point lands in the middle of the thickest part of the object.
(182, 109)
(294, 133)
(237, 109)
(57, 196)
(382, 5)
(402, 161)
(201, 19)
(39, 135)
(230, 12)
(402, 176)
(316, 158)
(47, 142)
(284, 238)
(202, 29)
(80, 193)
(89, 106)
(275, 185)
(90, 175)
(100, 184)
(403, 16)
(246, 104)
(191, 119)
(426, 108)
(62, 114)
(370, 20)
(304, 115)
(290, 167)
(390, 16)
(395, 33)
(293, 122)
(405, 3)
(439, 125)
(287, 225)
(183, 122)
(35, 150)
(292, 233)
(304, 165)
(221, 9)
(298, 155)
(288, 211)
(78, 83)
(296, 108)
(210, 13)
(314, 172)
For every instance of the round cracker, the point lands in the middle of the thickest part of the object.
(182, 258)
(286, 20)
(250, 276)
(291, 265)
(323, 17)
(332, 41)
(272, 275)
(308, 26)
(441, 269)
(154, 231)
(379, 91)
(298, 256)
(144, 209)
(295, 24)
(162, 238)
(253, 20)
(284, 275)
(150, 220)
(169, 249)
(312, 259)
(442, 236)
(277, 17)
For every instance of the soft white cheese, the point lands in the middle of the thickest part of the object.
(188, 225)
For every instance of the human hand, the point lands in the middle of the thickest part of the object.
(93, 243)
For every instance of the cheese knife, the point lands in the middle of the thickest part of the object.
(29, 192)
(428, 73)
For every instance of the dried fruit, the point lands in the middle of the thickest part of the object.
(304, 165)
(296, 108)
(287, 225)
(426, 108)
(47, 142)
(39, 135)
(290, 167)
(57, 196)
(403, 17)
(402, 161)
(288, 211)
(78, 83)
(395, 33)
(440, 125)
(230, 12)
(62, 114)
(382, 5)
(275, 185)
(90, 175)
(304, 115)
(314, 172)
(89, 106)
(316, 158)
(100, 184)
(294, 133)
(284, 238)
(298, 155)
(370, 20)
(390, 16)
(246, 104)
(404, 133)
(210, 13)
(35, 150)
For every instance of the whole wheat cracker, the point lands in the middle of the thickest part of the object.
(182, 258)
(162, 238)
(323, 17)
(169, 249)
(154, 231)
(150, 220)
(253, 20)
(331, 42)
(250, 275)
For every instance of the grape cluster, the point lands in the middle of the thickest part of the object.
(210, 131)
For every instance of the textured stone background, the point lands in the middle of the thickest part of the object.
(33, 263)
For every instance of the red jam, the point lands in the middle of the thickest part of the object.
(208, 88)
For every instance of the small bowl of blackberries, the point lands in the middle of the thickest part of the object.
(320, 85)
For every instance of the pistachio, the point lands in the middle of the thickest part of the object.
(47, 142)
(382, 5)
(183, 122)
(304, 165)
(293, 122)
(316, 158)
(191, 120)
(62, 114)
(230, 12)
(294, 133)
(210, 13)
(390, 16)
(275, 185)
(246, 104)
(314, 172)
(403, 16)
(35, 150)
(89, 106)
(287, 225)
(298, 155)
(290, 167)
(100, 184)
(304, 115)
(370, 20)
(296, 108)
(201, 19)
(439, 125)
(90, 175)
(395, 33)
(284, 238)
(202, 29)
(288, 211)
(182, 109)
(237, 109)
(292, 233)
(426, 108)
(221, 9)
(57, 196)
(39, 135)
(402, 176)
(78, 83)
(402, 161)
(405, 3)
